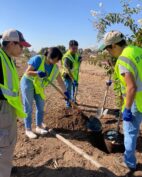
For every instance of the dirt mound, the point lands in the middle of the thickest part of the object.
(69, 120)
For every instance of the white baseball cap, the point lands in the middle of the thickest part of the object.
(15, 36)
(112, 37)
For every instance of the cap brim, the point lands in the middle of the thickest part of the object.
(25, 44)
(102, 47)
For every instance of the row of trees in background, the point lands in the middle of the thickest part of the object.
(27, 53)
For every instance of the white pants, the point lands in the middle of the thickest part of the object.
(8, 136)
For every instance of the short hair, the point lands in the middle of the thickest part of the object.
(53, 53)
(73, 43)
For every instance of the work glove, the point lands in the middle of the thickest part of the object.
(75, 84)
(127, 115)
(66, 93)
(41, 74)
(109, 82)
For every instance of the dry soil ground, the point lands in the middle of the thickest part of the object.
(49, 157)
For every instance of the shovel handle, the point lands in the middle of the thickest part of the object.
(105, 96)
(61, 93)
(106, 92)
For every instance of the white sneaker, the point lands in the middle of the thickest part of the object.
(41, 131)
(30, 134)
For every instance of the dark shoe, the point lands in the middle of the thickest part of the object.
(14, 170)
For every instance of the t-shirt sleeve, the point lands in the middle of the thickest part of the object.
(123, 70)
(35, 62)
(68, 63)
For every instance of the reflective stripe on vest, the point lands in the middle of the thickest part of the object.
(9, 92)
(8, 73)
(128, 59)
(75, 69)
(41, 83)
(129, 62)
(135, 72)
(10, 88)
(53, 75)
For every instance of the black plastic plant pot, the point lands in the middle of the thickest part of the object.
(114, 141)
(94, 124)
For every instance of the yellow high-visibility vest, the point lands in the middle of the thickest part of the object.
(76, 63)
(131, 58)
(10, 88)
(41, 83)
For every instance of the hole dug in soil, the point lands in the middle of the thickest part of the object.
(75, 125)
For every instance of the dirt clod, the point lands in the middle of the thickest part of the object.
(73, 120)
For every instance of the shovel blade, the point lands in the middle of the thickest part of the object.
(101, 112)
(105, 112)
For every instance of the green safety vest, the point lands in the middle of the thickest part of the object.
(10, 88)
(41, 83)
(76, 64)
(131, 58)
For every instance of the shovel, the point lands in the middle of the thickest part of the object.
(101, 112)
(61, 93)
(93, 122)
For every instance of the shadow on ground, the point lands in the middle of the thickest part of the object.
(45, 171)
(139, 144)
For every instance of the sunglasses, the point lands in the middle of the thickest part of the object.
(18, 44)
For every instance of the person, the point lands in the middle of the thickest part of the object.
(70, 70)
(128, 71)
(10, 102)
(41, 68)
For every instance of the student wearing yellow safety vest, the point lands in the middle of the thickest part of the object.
(41, 69)
(128, 70)
(10, 102)
(70, 70)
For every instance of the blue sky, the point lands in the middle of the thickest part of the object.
(52, 22)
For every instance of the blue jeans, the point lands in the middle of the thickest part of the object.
(131, 131)
(71, 90)
(28, 96)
